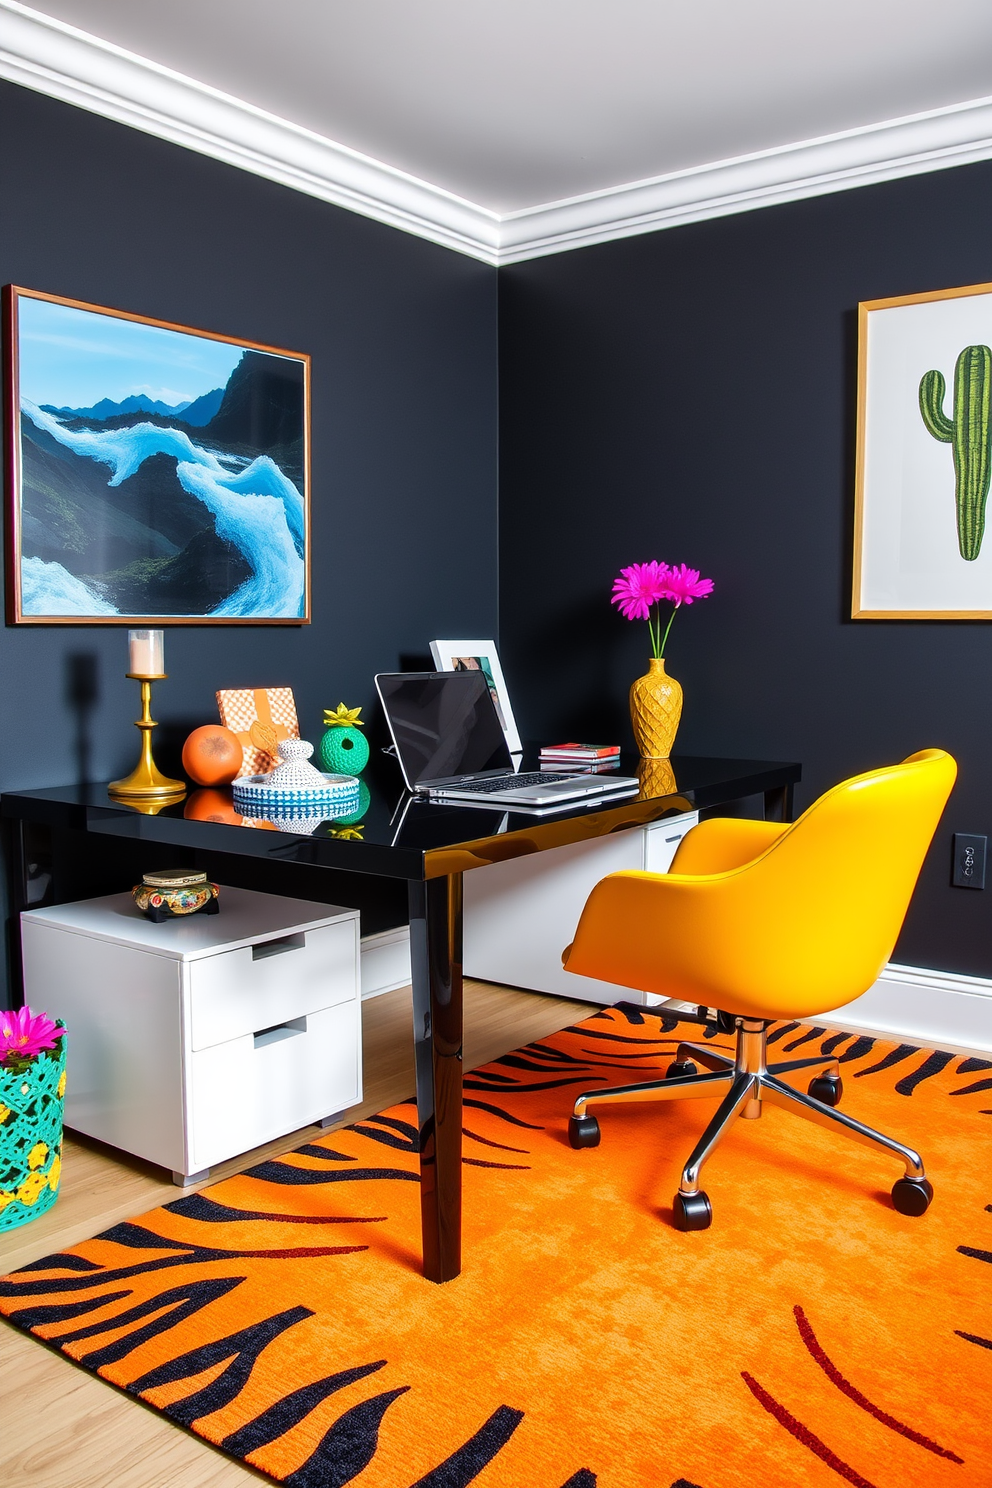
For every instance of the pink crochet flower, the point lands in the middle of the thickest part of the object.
(25, 1033)
(683, 585)
(639, 587)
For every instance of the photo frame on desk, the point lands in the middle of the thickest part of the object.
(481, 656)
(155, 473)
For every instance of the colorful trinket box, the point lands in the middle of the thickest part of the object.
(172, 892)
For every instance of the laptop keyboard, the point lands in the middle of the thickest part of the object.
(509, 782)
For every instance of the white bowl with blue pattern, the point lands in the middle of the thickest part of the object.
(296, 789)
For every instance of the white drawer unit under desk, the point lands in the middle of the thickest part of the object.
(201, 1037)
(521, 914)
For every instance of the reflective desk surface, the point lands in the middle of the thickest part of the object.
(396, 836)
(429, 846)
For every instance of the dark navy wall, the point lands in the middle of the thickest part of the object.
(402, 334)
(689, 395)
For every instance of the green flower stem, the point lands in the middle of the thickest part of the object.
(659, 641)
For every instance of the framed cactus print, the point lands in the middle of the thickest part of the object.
(922, 549)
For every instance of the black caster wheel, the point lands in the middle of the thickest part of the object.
(912, 1195)
(827, 1089)
(583, 1131)
(680, 1068)
(692, 1211)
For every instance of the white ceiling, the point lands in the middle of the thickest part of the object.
(525, 102)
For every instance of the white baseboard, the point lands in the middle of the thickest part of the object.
(912, 1006)
(385, 961)
(918, 1006)
(908, 1004)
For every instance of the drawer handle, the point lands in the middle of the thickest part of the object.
(278, 1032)
(277, 947)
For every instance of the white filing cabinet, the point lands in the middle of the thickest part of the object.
(520, 915)
(201, 1037)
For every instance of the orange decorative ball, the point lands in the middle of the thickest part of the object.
(212, 755)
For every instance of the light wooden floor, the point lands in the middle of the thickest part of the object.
(64, 1428)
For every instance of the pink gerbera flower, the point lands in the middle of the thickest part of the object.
(683, 585)
(25, 1033)
(642, 587)
(639, 587)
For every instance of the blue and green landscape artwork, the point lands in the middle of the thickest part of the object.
(162, 473)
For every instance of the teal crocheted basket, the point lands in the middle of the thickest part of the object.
(31, 1106)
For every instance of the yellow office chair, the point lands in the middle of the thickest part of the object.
(764, 921)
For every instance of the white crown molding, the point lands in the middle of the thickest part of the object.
(956, 135)
(51, 57)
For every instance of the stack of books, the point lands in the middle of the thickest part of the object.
(583, 758)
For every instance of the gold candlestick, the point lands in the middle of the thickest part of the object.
(146, 781)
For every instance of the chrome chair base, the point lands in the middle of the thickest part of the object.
(746, 1082)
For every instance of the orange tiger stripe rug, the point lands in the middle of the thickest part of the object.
(811, 1335)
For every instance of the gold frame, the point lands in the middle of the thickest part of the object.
(864, 309)
(12, 466)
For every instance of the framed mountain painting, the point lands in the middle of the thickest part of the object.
(154, 472)
(922, 549)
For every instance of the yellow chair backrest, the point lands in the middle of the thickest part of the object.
(792, 928)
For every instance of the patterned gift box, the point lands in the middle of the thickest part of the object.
(261, 717)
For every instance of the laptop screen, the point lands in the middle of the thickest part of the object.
(443, 724)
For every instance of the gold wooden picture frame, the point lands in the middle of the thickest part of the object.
(924, 457)
(155, 473)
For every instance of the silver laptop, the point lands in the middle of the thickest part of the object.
(451, 747)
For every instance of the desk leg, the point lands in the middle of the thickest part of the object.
(778, 804)
(436, 953)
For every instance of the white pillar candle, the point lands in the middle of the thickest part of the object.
(146, 652)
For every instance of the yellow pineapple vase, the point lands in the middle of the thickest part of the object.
(655, 711)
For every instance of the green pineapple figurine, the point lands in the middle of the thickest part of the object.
(343, 750)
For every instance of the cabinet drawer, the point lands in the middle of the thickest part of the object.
(661, 840)
(251, 1089)
(520, 915)
(244, 991)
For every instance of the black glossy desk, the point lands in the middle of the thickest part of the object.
(429, 847)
